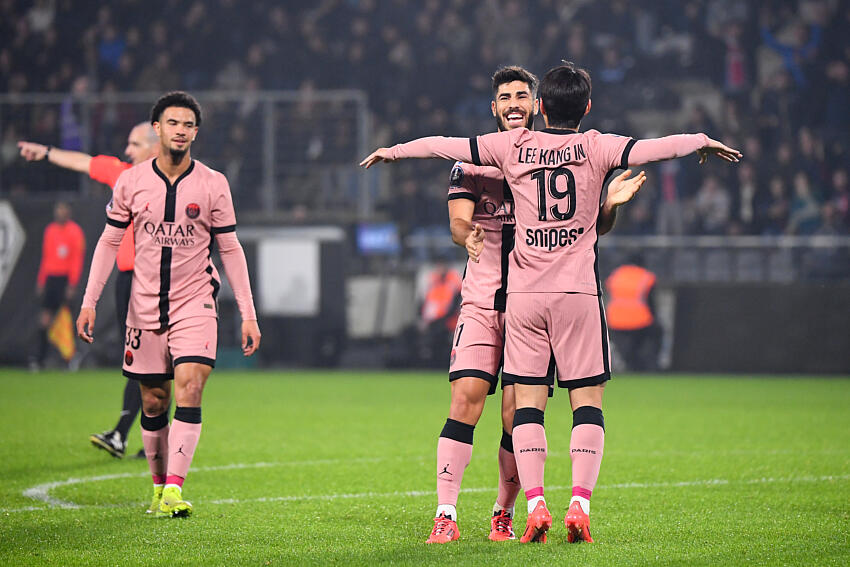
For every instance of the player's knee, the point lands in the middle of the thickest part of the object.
(154, 402)
(152, 405)
(191, 392)
(466, 406)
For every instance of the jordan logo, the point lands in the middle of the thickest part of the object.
(511, 480)
(180, 451)
(445, 471)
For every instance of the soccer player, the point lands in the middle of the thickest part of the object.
(480, 203)
(177, 206)
(62, 252)
(554, 299)
(142, 144)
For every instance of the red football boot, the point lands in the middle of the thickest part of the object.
(578, 524)
(445, 530)
(501, 527)
(538, 523)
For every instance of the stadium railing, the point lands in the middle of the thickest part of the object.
(703, 259)
(284, 152)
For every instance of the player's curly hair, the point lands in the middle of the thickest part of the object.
(564, 92)
(176, 98)
(513, 73)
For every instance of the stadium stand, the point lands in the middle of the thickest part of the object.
(770, 77)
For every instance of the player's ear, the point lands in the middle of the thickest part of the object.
(586, 110)
(493, 107)
(536, 106)
(156, 129)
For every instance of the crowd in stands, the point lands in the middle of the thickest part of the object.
(769, 77)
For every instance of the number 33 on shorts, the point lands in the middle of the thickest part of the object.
(133, 338)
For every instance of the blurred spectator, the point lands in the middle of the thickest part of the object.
(713, 206)
(840, 197)
(776, 208)
(805, 212)
(798, 53)
(746, 198)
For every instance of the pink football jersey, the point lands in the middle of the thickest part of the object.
(174, 277)
(485, 282)
(556, 178)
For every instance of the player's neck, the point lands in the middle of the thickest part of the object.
(173, 166)
(559, 126)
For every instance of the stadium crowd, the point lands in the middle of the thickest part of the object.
(769, 77)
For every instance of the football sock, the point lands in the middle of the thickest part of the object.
(529, 438)
(446, 510)
(155, 442)
(508, 475)
(586, 443)
(182, 441)
(454, 449)
(532, 502)
(130, 408)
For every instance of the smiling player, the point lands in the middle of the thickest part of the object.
(177, 206)
(554, 298)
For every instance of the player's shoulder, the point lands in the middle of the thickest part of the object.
(601, 137)
(135, 171)
(206, 173)
(128, 173)
(520, 136)
(473, 178)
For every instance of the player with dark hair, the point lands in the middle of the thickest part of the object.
(142, 144)
(554, 298)
(178, 206)
(482, 220)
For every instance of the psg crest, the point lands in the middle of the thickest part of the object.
(128, 358)
(193, 210)
(457, 176)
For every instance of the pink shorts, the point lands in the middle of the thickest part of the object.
(477, 345)
(569, 325)
(152, 355)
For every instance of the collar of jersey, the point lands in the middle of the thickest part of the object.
(162, 176)
(559, 131)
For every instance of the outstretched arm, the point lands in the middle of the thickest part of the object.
(236, 268)
(621, 190)
(458, 149)
(76, 161)
(101, 266)
(680, 145)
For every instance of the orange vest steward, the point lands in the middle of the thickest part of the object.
(440, 296)
(628, 308)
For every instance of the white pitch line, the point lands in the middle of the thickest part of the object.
(41, 492)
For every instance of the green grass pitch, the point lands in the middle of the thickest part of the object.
(315, 468)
